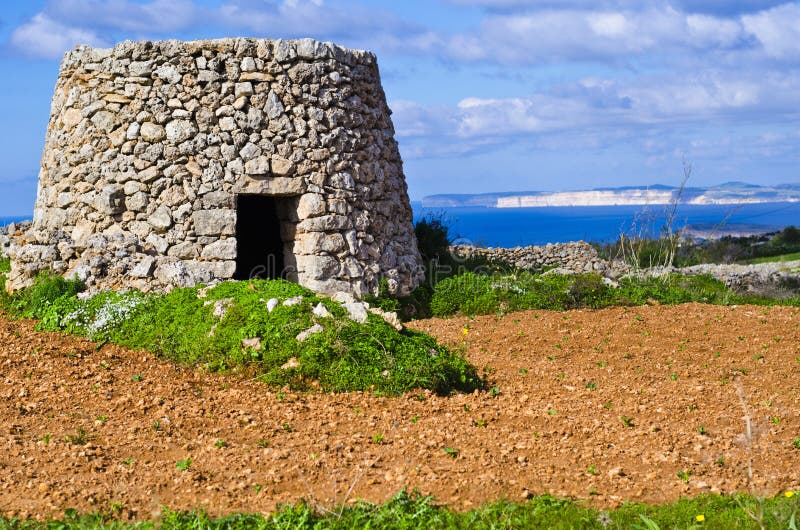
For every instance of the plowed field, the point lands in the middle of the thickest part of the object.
(643, 404)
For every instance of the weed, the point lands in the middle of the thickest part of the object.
(378, 439)
(415, 419)
(263, 443)
(628, 422)
(702, 430)
(219, 444)
(495, 391)
(46, 438)
(591, 385)
(452, 452)
(796, 443)
(552, 412)
(480, 423)
(592, 470)
(137, 378)
(673, 377)
(684, 475)
(184, 465)
(79, 438)
(128, 461)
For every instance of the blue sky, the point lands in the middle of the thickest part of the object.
(488, 95)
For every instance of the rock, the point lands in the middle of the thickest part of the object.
(110, 200)
(222, 249)
(104, 120)
(310, 205)
(303, 335)
(356, 311)
(391, 318)
(214, 222)
(152, 132)
(180, 130)
(220, 307)
(251, 344)
(293, 301)
(160, 219)
(272, 303)
(274, 106)
(144, 269)
(292, 363)
(257, 166)
(243, 89)
(321, 311)
(168, 73)
(281, 166)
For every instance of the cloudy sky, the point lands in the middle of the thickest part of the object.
(488, 95)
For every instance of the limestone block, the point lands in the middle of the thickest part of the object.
(243, 89)
(214, 222)
(281, 166)
(180, 130)
(152, 132)
(274, 106)
(222, 250)
(184, 250)
(136, 202)
(318, 267)
(104, 120)
(110, 200)
(168, 73)
(160, 219)
(217, 269)
(257, 166)
(143, 269)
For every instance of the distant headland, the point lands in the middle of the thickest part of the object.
(727, 193)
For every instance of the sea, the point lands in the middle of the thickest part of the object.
(510, 227)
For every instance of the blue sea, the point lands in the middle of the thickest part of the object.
(508, 227)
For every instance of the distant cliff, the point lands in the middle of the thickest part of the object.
(728, 193)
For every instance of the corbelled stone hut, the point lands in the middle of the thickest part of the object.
(176, 163)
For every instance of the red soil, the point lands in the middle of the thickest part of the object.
(565, 382)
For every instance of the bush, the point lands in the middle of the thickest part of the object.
(47, 289)
(207, 326)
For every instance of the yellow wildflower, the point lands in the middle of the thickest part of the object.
(700, 518)
(789, 494)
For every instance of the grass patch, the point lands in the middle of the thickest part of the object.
(771, 259)
(476, 294)
(411, 511)
(207, 327)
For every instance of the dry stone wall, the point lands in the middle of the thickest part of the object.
(151, 144)
(575, 257)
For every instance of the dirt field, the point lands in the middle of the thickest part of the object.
(606, 405)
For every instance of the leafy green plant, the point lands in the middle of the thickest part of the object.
(451, 451)
(182, 326)
(184, 465)
(81, 437)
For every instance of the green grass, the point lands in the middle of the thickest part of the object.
(770, 259)
(412, 511)
(475, 294)
(181, 326)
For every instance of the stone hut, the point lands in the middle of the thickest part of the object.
(174, 163)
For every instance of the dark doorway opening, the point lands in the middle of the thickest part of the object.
(259, 245)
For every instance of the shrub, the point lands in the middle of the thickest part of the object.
(47, 289)
(207, 326)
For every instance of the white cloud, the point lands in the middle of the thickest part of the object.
(777, 30)
(43, 37)
(553, 35)
(155, 16)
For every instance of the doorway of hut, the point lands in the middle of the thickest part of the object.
(259, 245)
